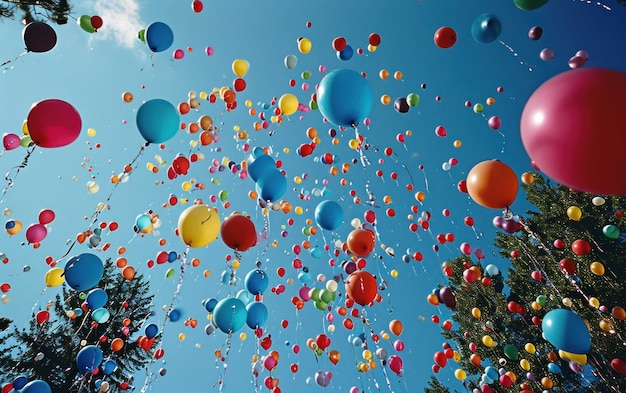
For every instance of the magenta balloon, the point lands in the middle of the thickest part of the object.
(10, 141)
(53, 123)
(572, 128)
(36, 233)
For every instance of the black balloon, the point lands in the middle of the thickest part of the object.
(39, 37)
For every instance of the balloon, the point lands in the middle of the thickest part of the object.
(39, 37)
(288, 104)
(157, 120)
(100, 315)
(559, 125)
(291, 61)
(511, 352)
(159, 37)
(395, 326)
(346, 53)
(395, 364)
(440, 359)
(271, 186)
(53, 123)
(96, 22)
(83, 272)
(535, 32)
(151, 330)
(36, 233)
(611, 231)
(10, 141)
(256, 315)
(88, 359)
(574, 213)
(445, 37)
(329, 215)
(447, 297)
(97, 298)
(486, 28)
(238, 232)
(492, 184)
(260, 166)
(240, 67)
(46, 216)
(361, 242)
(36, 386)
(256, 281)
(401, 105)
(323, 378)
(619, 366)
(528, 5)
(361, 287)
(460, 374)
(85, 23)
(230, 315)
(566, 330)
(344, 97)
(198, 225)
(54, 277)
(108, 366)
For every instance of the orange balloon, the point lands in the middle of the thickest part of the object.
(361, 242)
(128, 272)
(475, 359)
(361, 287)
(492, 184)
(117, 344)
(396, 327)
(334, 356)
(619, 313)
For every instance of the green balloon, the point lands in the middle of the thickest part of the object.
(528, 5)
(313, 105)
(315, 294)
(478, 108)
(142, 35)
(511, 352)
(327, 296)
(541, 299)
(170, 273)
(25, 141)
(413, 99)
(85, 23)
(611, 231)
(223, 195)
(321, 305)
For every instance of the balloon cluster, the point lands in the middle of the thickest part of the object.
(271, 184)
(90, 24)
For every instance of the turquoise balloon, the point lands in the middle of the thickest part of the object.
(329, 215)
(230, 315)
(529, 5)
(256, 281)
(344, 97)
(256, 315)
(36, 386)
(89, 359)
(567, 331)
(611, 231)
(157, 120)
(101, 315)
(83, 272)
(271, 186)
(245, 297)
(159, 37)
(486, 28)
(259, 166)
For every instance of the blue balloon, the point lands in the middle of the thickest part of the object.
(230, 315)
(19, 382)
(97, 298)
(83, 272)
(108, 367)
(491, 372)
(259, 166)
(554, 368)
(257, 315)
(88, 359)
(329, 215)
(101, 315)
(157, 120)
(486, 28)
(172, 256)
(344, 97)
(272, 186)
(151, 330)
(159, 37)
(245, 297)
(210, 304)
(36, 386)
(567, 331)
(174, 315)
(256, 281)
(346, 53)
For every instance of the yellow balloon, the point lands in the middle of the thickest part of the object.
(15, 228)
(597, 268)
(530, 348)
(240, 67)
(606, 325)
(54, 277)
(574, 357)
(460, 374)
(476, 313)
(304, 46)
(488, 341)
(594, 302)
(574, 213)
(524, 364)
(288, 104)
(199, 225)
(25, 128)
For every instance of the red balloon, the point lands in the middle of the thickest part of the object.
(568, 266)
(360, 242)
(374, 39)
(440, 359)
(577, 114)
(361, 287)
(238, 232)
(239, 84)
(46, 216)
(96, 22)
(53, 123)
(322, 341)
(339, 44)
(581, 247)
(619, 366)
(492, 184)
(197, 6)
(445, 37)
(42, 317)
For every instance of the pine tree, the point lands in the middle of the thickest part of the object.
(567, 254)
(56, 11)
(47, 349)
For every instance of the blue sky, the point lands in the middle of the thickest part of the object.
(92, 71)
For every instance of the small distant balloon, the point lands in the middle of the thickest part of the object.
(535, 33)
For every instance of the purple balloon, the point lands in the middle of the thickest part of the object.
(401, 105)
(575, 367)
(323, 378)
(535, 33)
(511, 226)
(498, 221)
(447, 297)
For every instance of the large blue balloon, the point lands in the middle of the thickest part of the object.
(83, 272)
(157, 120)
(329, 215)
(97, 298)
(256, 281)
(36, 386)
(272, 186)
(486, 28)
(260, 166)
(344, 97)
(257, 315)
(567, 331)
(230, 315)
(88, 359)
(159, 37)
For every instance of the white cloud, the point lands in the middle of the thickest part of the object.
(121, 21)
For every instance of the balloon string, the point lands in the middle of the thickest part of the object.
(11, 180)
(357, 136)
(12, 60)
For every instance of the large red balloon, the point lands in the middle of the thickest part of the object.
(573, 128)
(361, 242)
(492, 184)
(445, 37)
(53, 123)
(238, 232)
(361, 287)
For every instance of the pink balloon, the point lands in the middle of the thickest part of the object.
(10, 141)
(53, 123)
(572, 128)
(46, 216)
(576, 61)
(36, 233)
(546, 54)
(494, 122)
(395, 364)
(465, 248)
(179, 54)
